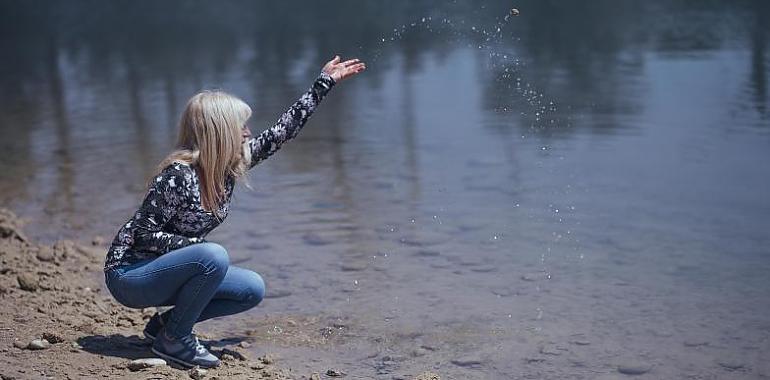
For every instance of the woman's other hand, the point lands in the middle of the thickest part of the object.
(342, 70)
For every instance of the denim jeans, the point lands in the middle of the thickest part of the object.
(197, 280)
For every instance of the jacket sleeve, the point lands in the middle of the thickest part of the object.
(289, 124)
(169, 191)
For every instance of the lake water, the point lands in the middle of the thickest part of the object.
(551, 195)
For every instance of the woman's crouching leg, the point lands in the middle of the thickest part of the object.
(241, 290)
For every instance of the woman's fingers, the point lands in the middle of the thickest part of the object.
(355, 69)
(350, 62)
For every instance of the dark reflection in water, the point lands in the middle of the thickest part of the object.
(491, 188)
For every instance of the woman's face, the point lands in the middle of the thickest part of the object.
(246, 132)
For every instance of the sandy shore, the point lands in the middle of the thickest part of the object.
(57, 321)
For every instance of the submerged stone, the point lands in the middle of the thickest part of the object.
(634, 368)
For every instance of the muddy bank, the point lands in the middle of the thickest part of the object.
(57, 321)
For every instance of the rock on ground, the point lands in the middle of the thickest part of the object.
(140, 364)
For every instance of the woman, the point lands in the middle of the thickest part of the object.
(160, 256)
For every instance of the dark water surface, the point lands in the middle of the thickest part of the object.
(585, 187)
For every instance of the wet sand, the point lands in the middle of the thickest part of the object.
(58, 321)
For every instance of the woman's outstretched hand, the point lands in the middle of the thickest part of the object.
(341, 70)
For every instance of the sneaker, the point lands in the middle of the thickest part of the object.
(154, 325)
(186, 351)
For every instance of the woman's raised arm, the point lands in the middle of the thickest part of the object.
(292, 121)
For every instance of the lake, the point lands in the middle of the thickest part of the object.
(567, 193)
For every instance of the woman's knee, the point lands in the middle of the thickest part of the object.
(214, 257)
(254, 289)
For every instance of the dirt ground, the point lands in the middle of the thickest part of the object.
(57, 322)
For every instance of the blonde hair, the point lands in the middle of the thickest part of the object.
(210, 135)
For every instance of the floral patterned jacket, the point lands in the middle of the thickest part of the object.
(172, 216)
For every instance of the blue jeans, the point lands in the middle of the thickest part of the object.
(197, 280)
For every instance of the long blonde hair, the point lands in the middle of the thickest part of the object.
(210, 134)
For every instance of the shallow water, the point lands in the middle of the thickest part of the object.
(586, 187)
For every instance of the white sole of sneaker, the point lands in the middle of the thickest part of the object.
(177, 360)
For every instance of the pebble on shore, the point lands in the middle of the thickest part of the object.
(334, 373)
(197, 373)
(427, 376)
(38, 344)
(28, 281)
(140, 364)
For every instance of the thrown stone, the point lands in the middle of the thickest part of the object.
(140, 364)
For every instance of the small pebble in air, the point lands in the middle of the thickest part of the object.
(514, 12)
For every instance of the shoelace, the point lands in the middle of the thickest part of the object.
(192, 341)
(199, 348)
